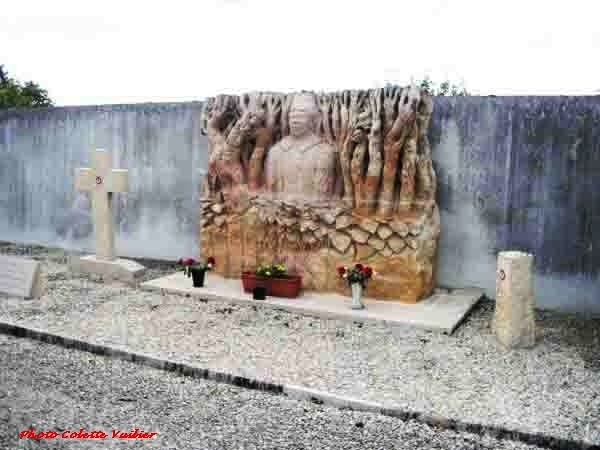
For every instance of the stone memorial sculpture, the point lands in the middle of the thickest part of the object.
(101, 181)
(317, 180)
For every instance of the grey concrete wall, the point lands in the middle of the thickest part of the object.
(521, 173)
(160, 144)
(513, 173)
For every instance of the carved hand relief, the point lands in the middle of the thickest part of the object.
(367, 150)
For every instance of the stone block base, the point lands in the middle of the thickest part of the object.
(116, 269)
(312, 240)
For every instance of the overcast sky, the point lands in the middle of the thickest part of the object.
(123, 51)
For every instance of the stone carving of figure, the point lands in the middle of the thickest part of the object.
(368, 149)
(302, 165)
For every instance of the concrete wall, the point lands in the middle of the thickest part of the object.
(513, 173)
(160, 144)
(521, 173)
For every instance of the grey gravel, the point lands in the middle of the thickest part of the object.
(51, 388)
(552, 389)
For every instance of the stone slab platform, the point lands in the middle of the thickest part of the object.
(441, 312)
(118, 269)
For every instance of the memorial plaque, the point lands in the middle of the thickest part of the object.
(20, 277)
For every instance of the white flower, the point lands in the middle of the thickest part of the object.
(209, 266)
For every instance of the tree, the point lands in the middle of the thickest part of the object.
(445, 89)
(15, 94)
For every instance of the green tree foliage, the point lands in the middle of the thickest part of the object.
(14, 94)
(444, 89)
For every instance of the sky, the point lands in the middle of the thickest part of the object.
(131, 51)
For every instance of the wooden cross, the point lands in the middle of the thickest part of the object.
(102, 180)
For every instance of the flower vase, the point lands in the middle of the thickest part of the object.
(356, 295)
(198, 277)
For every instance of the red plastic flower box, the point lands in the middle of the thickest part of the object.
(287, 286)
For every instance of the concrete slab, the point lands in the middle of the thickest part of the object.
(118, 269)
(20, 277)
(441, 312)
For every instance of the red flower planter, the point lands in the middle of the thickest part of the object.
(250, 281)
(288, 286)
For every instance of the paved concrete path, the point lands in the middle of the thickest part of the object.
(49, 388)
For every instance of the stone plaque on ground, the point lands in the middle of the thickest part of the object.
(20, 277)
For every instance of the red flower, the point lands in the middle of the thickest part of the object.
(188, 261)
(368, 271)
(210, 260)
(341, 270)
(180, 262)
(359, 266)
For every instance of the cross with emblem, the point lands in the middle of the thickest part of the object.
(102, 181)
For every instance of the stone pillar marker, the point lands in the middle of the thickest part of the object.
(514, 316)
(101, 181)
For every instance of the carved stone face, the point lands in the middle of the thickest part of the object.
(303, 115)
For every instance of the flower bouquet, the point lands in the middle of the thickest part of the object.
(196, 269)
(271, 270)
(357, 277)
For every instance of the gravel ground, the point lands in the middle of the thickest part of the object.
(552, 389)
(50, 388)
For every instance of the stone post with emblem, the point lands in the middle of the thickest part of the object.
(514, 317)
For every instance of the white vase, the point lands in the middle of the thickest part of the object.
(356, 295)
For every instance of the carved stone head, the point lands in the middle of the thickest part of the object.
(304, 114)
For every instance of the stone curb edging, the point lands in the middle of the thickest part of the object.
(295, 392)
